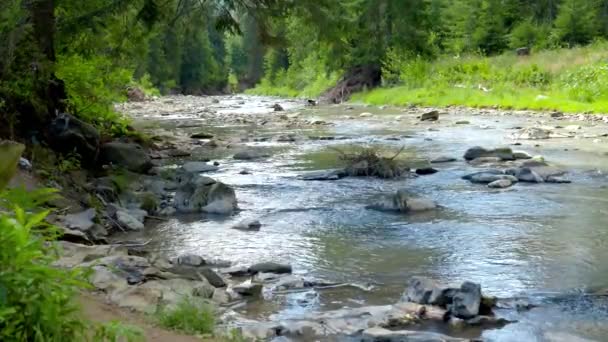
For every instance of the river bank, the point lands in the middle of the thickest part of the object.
(343, 255)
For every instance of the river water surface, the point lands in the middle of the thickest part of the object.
(546, 242)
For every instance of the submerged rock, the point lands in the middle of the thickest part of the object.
(199, 167)
(322, 175)
(250, 154)
(443, 160)
(378, 334)
(500, 184)
(504, 153)
(202, 135)
(489, 176)
(402, 201)
(269, 267)
(248, 224)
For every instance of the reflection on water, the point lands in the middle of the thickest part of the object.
(543, 238)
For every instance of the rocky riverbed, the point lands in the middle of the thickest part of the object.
(246, 201)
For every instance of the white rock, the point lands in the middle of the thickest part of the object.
(366, 115)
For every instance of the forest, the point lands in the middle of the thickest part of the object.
(81, 57)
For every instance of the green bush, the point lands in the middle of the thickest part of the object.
(94, 84)
(190, 316)
(36, 299)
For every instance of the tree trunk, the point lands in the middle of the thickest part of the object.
(50, 89)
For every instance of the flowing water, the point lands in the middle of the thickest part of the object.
(548, 242)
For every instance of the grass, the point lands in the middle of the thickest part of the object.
(569, 80)
(190, 316)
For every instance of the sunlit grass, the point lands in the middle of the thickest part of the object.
(569, 80)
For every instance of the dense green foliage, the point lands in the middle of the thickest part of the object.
(406, 36)
(83, 56)
(37, 299)
(572, 80)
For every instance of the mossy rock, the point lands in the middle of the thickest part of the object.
(10, 152)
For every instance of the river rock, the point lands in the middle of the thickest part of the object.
(69, 134)
(557, 179)
(534, 133)
(504, 153)
(82, 221)
(203, 194)
(199, 167)
(322, 175)
(500, 184)
(439, 160)
(423, 290)
(366, 115)
(248, 224)
(202, 135)
(466, 300)
(249, 155)
(430, 116)
(402, 201)
(521, 155)
(213, 277)
(248, 288)
(190, 260)
(526, 174)
(127, 155)
(423, 171)
(485, 160)
(126, 220)
(277, 107)
(378, 334)
(269, 267)
(488, 176)
(462, 122)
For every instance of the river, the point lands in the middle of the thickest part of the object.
(544, 242)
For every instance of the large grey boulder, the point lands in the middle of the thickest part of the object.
(504, 153)
(203, 194)
(126, 155)
(69, 134)
(466, 300)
